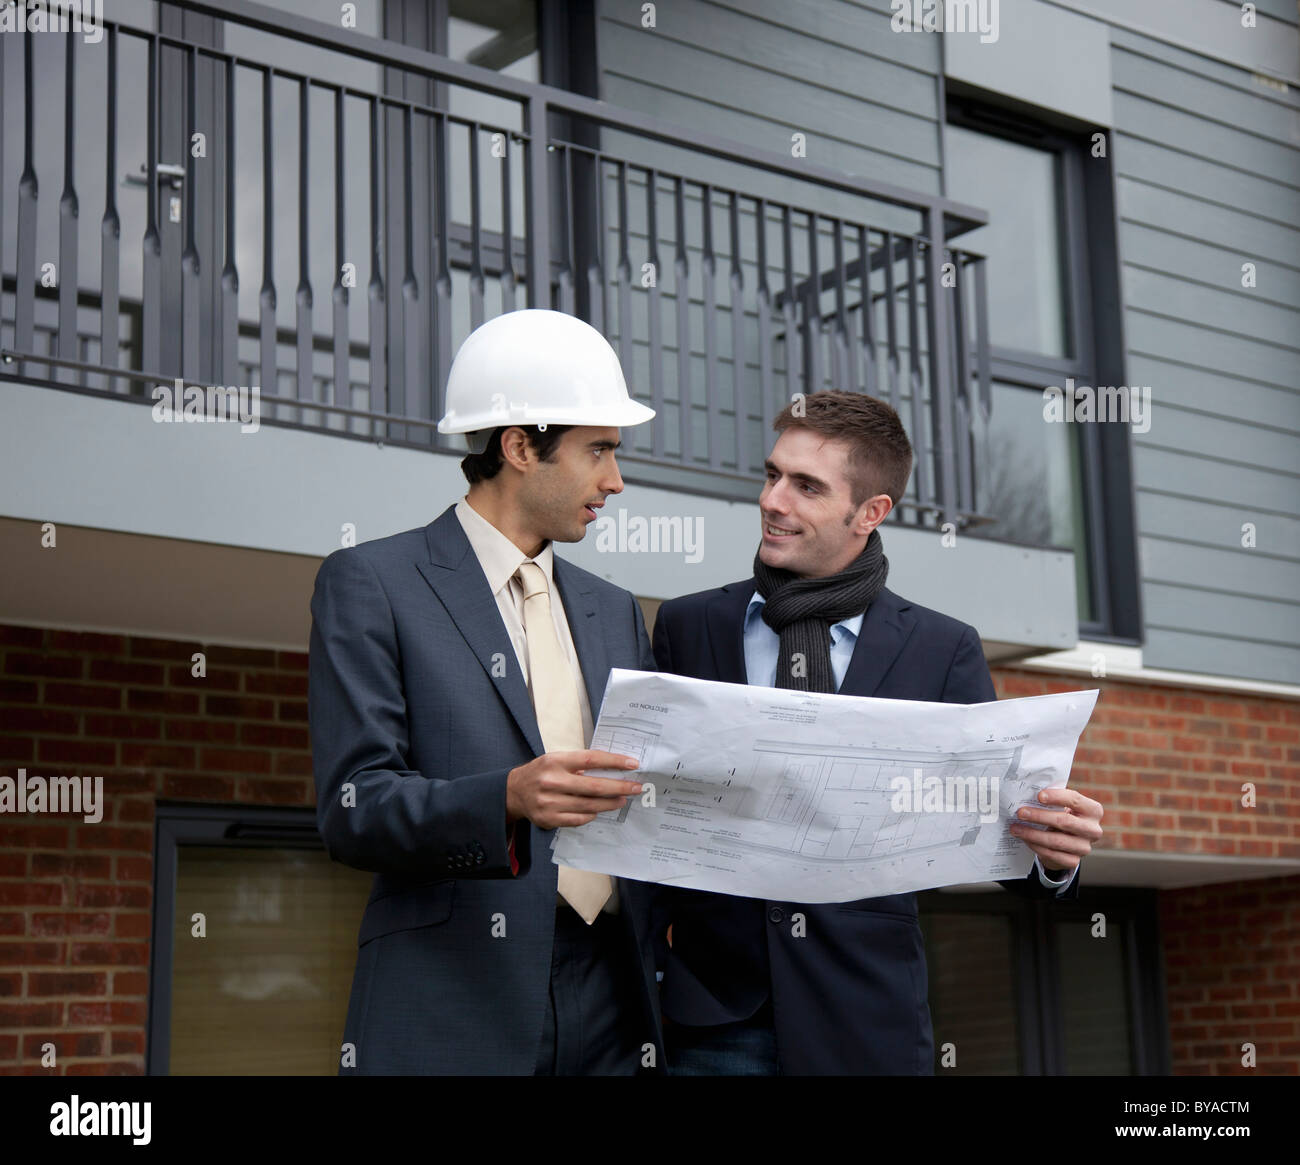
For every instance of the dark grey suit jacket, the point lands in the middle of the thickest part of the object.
(418, 711)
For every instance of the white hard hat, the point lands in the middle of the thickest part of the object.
(536, 367)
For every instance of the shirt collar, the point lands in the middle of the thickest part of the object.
(851, 626)
(496, 554)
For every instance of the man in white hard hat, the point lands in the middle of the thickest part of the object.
(454, 672)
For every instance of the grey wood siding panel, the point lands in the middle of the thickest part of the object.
(1222, 438)
(1188, 215)
(1233, 355)
(1186, 608)
(1206, 522)
(1195, 477)
(1203, 178)
(1214, 393)
(1214, 568)
(1208, 264)
(1228, 145)
(1189, 651)
(1241, 106)
(1231, 309)
(831, 70)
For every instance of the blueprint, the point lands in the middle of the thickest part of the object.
(769, 793)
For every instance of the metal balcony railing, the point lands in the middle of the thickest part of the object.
(729, 279)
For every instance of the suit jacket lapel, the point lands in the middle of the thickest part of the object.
(725, 620)
(458, 580)
(884, 631)
(580, 607)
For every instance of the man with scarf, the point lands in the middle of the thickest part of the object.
(754, 987)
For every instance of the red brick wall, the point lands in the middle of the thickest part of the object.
(1232, 958)
(1168, 764)
(75, 897)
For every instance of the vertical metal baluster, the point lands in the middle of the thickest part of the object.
(869, 384)
(941, 405)
(982, 339)
(376, 352)
(411, 380)
(266, 300)
(507, 234)
(110, 227)
(682, 302)
(790, 313)
(891, 325)
(230, 268)
(537, 200)
(920, 438)
(2, 168)
(982, 371)
(475, 233)
(190, 255)
(442, 289)
(303, 295)
(69, 212)
(151, 309)
(813, 313)
(566, 226)
(654, 314)
(28, 189)
(961, 398)
(339, 292)
(623, 274)
(708, 269)
(737, 291)
(845, 350)
(596, 265)
(764, 296)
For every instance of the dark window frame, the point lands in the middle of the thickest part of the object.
(1095, 342)
(1039, 1000)
(179, 823)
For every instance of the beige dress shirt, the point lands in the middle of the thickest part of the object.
(500, 559)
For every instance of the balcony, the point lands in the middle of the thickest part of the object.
(328, 223)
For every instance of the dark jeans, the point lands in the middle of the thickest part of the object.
(594, 1007)
(745, 1048)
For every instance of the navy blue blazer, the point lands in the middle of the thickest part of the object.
(850, 996)
(418, 711)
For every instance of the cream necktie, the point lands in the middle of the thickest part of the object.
(559, 717)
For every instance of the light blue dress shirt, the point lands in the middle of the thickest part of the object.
(763, 646)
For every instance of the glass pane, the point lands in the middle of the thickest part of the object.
(1020, 188)
(266, 991)
(1030, 478)
(972, 993)
(1095, 1000)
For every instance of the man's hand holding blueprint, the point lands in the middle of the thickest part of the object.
(771, 793)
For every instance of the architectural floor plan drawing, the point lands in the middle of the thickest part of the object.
(807, 797)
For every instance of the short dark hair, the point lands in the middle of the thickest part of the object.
(880, 455)
(486, 465)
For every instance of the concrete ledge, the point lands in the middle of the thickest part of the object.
(201, 531)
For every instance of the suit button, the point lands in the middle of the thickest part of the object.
(776, 914)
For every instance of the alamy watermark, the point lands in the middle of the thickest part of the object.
(24, 794)
(922, 794)
(83, 16)
(946, 16)
(659, 534)
(1114, 403)
(214, 402)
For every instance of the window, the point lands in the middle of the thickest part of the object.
(1026, 986)
(265, 990)
(1053, 321)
